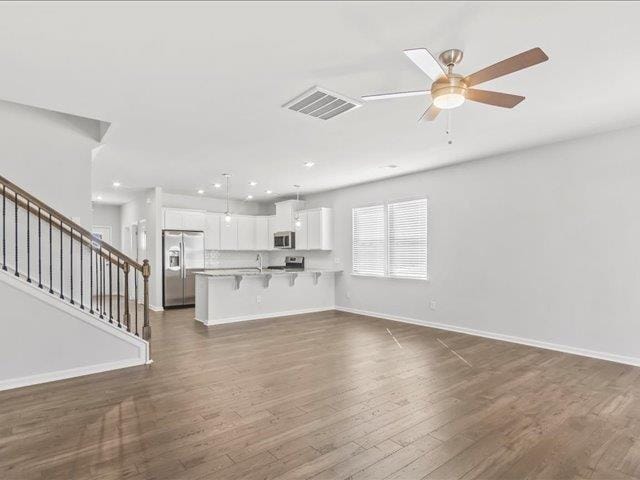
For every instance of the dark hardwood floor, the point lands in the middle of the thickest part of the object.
(328, 396)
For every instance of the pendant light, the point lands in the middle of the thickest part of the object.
(227, 214)
(297, 218)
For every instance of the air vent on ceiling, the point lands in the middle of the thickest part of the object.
(320, 103)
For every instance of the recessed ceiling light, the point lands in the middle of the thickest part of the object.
(249, 197)
(309, 164)
(216, 185)
(253, 183)
(268, 192)
(99, 197)
(116, 184)
(200, 192)
(392, 166)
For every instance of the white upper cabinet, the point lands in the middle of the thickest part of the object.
(302, 237)
(285, 213)
(180, 219)
(193, 220)
(229, 234)
(262, 233)
(246, 233)
(316, 230)
(173, 219)
(212, 230)
(250, 232)
(272, 230)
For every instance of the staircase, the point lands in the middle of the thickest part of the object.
(49, 259)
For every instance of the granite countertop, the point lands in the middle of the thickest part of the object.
(232, 272)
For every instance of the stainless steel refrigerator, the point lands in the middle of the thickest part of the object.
(183, 256)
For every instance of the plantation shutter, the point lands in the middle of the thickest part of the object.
(368, 239)
(407, 231)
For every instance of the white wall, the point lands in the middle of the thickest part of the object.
(44, 339)
(49, 155)
(109, 216)
(542, 244)
(216, 204)
(146, 208)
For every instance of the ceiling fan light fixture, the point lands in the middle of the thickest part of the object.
(449, 97)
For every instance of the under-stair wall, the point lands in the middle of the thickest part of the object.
(70, 304)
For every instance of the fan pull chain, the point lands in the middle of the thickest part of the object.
(449, 130)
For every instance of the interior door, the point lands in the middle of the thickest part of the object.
(173, 293)
(193, 262)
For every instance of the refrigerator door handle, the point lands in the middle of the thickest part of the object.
(182, 259)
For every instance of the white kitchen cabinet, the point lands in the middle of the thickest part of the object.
(212, 230)
(193, 220)
(181, 219)
(302, 237)
(285, 213)
(229, 234)
(246, 233)
(173, 219)
(262, 233)
(272, 230)
(316, 229)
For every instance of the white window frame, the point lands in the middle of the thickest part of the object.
(385, 204)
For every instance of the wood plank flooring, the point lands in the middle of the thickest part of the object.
(328, 396)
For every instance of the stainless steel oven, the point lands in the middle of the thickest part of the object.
(284, 240)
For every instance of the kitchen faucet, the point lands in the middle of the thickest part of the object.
(259, 259)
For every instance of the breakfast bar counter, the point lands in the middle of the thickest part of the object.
(234, 295)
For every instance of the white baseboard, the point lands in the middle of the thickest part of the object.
(70, 373)
(611, 357)
(143, 356)
(260, 316)
(155, 308)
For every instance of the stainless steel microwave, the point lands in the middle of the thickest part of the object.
(284, 240)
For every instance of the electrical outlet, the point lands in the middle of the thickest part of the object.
(336, 260)
(258, 298)
(432, 304)
(348, 295)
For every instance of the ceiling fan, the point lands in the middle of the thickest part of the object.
(450, 90)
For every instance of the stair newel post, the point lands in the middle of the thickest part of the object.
(39, 248)
(4, 227)
(118, 292)
(146, 272)
(28, 241)
(50, 254)
(135, 298)
(61, 261)
(15, 204)
(125, 269)
(71, 263)
(91, 275)
(81, 271)
(110, 289)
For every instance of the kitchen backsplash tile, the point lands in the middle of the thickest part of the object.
(225, 259)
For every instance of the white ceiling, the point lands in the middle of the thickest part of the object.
(195, 89)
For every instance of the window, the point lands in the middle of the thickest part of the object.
(407, 227)
(368, 240)
(391, 240)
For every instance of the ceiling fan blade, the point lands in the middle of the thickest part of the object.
(426, 62)
(518, 62)
(384, 96)
(430, 114)
(505, 100)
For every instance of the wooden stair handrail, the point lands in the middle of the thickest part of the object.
(62, 221)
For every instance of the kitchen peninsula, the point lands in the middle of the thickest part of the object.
(234, 295)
